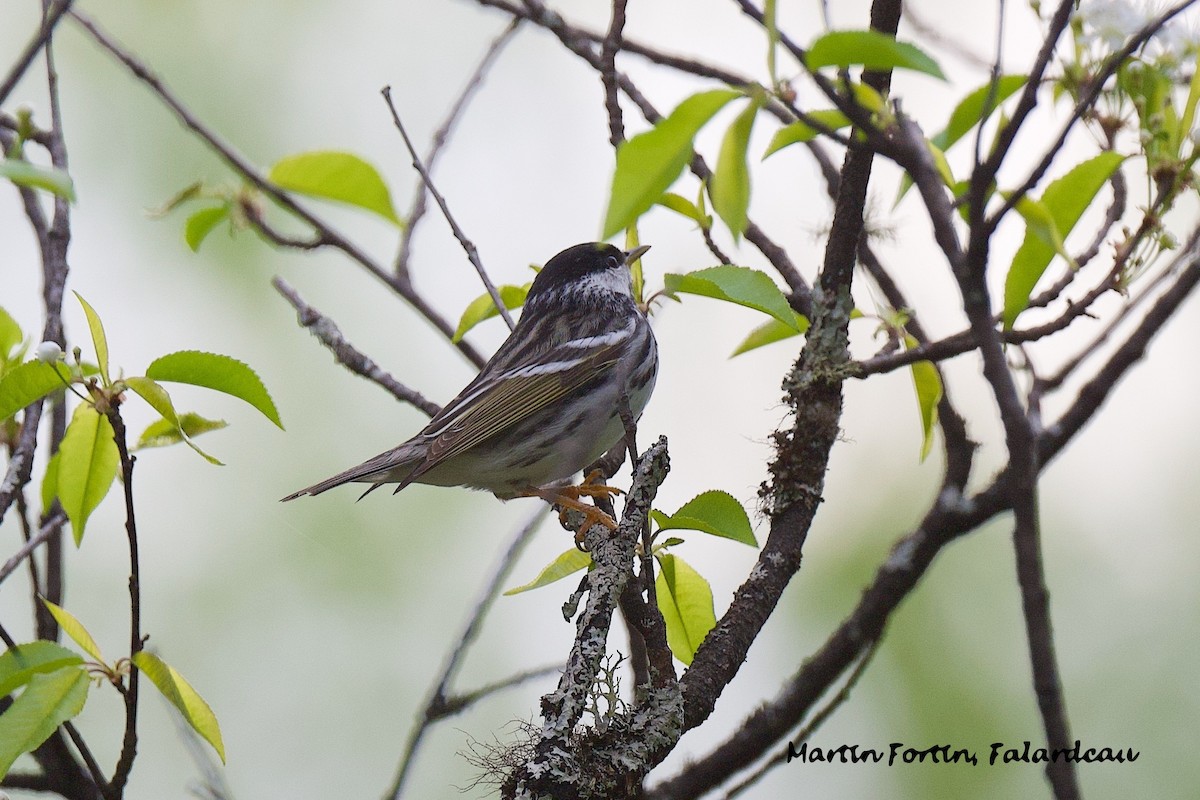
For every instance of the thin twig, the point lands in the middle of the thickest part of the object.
(437, 698)
(467, 245)
(346, 354)
(240, 165)
(49, 20)
(608, 73)
(47, 529)
(441, 136)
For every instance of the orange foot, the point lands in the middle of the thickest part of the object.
(567, 499)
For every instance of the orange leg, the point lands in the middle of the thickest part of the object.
(567, 499)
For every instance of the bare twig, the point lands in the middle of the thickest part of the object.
(45, 531)
(467, 245)
(49, 21)
(240, 165)
(438, 699)
(440, 137)
(608, 73)
(328, 333)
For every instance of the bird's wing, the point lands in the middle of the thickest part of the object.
(519, 391)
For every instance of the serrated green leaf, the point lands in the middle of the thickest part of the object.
(158, 398)
(770, 332)
(715, 512)
(218, 372)
(870, 49)
(201, 223)
(52, 179)
(686, 602)
(29, 382)
(99, 339)
(162, 432)
(48, 701)
(72, 627)
(800, 131)
(483, 307)
(684, 207)
(565, 564)
(1064, 202)
(334, 175)
(87, 465)
(18, 665)
(730, 185)
(181, 694)
(740, 285)
(928, 385)
(970, 110)
(10, 335)
(650, 162)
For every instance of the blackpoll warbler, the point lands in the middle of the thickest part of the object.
(548, 403)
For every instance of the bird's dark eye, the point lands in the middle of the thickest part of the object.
(613, 262)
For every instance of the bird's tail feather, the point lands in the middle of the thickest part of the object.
(392, 466)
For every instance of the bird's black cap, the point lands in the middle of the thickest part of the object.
(575, 262)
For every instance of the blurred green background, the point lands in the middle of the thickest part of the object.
(314, 628)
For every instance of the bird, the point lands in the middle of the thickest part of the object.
(548, 403)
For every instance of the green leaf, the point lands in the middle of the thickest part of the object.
(201, 223)
(715, 512)
(650, 162)
(483, 307)
(740, 285)
(870, 49)
(970, 110)
(10, 335)
(50, 483)
(87, 465)
(218, 372)
(333, 175)
(18, 665)
(181, 694)
(1064, 202)
(163, 432)
(928, 384)
(800, 131)
(28, 383)
(99, 340)
(565, 564)
(770, 332)
(74, 628)
(48, 701)
(686, 602)
(684, 207)
(154, 394)
(730, 186)
(52, 179)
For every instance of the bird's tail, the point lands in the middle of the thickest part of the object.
(394, 466)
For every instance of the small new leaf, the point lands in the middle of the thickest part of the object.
(565, 564)
(28, 383)
(51, 179)
(19, 664)
(181, 694)
(49, 700)
(214, 371)
(201, 223)
(686, 602)
(99, 339)
(483, 307)
(870, 49)
(730, 186)
(928, 384)
(163, 432)
(650, 162)
(87, 464)
(334, 175)
(740, 285)
(971, 109)
(1049, 222)
(799, 132)
(10, 337)
(684, 207)
(715, 512)
(74, 628)
(770, 332)
(154, 394)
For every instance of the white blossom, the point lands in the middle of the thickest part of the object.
(48, 352)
